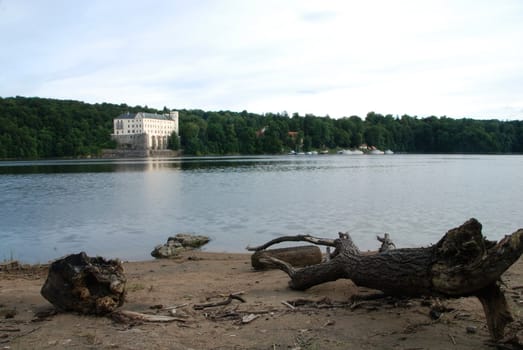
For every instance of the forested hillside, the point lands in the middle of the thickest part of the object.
(40, 128)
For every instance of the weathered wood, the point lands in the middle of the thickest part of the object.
(297, 238)
(126, 316)
(386, 243)
(495, 307)
(227, 301)
(296, 256)
(86, 285)
(462, 263)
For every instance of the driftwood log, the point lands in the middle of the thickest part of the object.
(462, 263)
(296, 256)
(85, 285)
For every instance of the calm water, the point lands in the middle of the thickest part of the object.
(124, 208)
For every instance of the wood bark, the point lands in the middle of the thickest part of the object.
(462, 263)
(85, 285)
(296, 256)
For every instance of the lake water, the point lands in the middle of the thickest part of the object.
(123, 208)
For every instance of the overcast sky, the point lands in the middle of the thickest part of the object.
(337, 58)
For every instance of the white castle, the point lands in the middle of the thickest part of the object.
(144, 130)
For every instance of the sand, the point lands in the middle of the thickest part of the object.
(263, 321)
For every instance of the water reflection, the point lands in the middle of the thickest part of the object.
(149, 164)
(86, 166)
(200, 164)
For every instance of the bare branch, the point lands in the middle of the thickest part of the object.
(386, 243)
(462, 263)
(297, 238)
(282, 265)
(220, 303)
(126, 316)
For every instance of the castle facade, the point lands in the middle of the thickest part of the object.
(144, 131)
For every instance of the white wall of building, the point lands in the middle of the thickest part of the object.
(157, 128)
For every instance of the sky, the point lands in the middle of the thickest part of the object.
(338, 58)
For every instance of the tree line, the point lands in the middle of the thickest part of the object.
(43, 128)
(228, 132)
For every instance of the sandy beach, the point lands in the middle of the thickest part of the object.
(271, 316)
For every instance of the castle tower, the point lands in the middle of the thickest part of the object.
(174, 116)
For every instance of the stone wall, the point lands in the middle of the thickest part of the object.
(132, 142)
(131, 153)
(124, 153)
(141, 141)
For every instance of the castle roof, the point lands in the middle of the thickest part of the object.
(144, 115)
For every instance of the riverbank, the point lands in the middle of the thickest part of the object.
(266, 320)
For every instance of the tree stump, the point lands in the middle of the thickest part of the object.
(462, 263)
(85, 285)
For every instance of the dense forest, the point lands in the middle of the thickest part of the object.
(42, 128)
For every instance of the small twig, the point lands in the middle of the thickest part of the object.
(123, 316)
(237, 297)
(288, 305)
(206, 305)
(174, 307)
(368, 305)
(249, 318)
(258, 312)
(20, 335)
(356, 305)
(219, 303)
(452, 338)
(235, 294)
(8, 329)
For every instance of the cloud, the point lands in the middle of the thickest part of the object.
(330, 57)
(318, 16)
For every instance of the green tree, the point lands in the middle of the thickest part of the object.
(37, 127)
(174, 142)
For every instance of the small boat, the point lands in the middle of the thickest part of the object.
(349, 152)
(389, 152)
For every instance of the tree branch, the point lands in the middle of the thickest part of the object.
(386, 243)
(462, 263)
(297, 238)
(282, 265)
